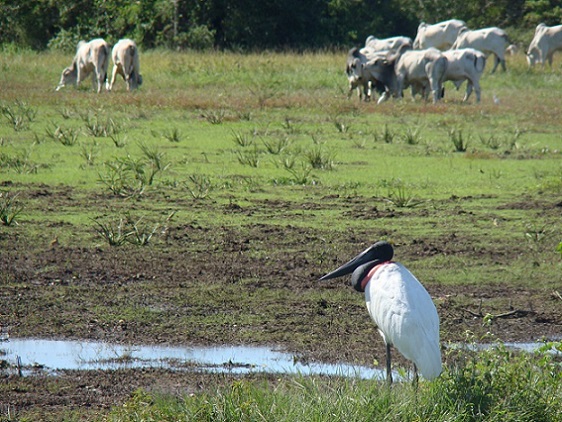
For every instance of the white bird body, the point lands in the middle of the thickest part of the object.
(405, 316)
(400, 306)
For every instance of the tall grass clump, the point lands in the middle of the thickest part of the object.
(19, 115)
(499, 384)
(385, 135)
(459, 141)
(412, 136)
(130, 176)
(10, 208)
(299, 171)
(127, 229)
(66, 136)
(98, 127)
(199, 186)
(319, 157)
(20, 161)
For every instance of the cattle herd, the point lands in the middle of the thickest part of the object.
(93, 58)
(446, 51)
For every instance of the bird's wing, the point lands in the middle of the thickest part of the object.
(406, 316)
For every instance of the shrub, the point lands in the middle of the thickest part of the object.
(10, 208)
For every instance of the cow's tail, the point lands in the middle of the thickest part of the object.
(104, 60)
(479, 63)
(132, 51)
(106, 55)
(133, 64)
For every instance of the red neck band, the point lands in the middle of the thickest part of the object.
(372, 272)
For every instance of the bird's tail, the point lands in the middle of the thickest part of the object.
(429, 361)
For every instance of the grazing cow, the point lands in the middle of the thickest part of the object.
(487, 40)
(125, 55)
(415, 68)
(547, 40)
(356, 59)
(465, 64)
(441, 35)
(91, 57)
(387, 44)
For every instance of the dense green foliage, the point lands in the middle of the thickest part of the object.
(250, 24)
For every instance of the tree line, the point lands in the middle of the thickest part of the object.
(251, 24)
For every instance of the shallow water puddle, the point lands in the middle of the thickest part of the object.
(86, 355)
(52, 355)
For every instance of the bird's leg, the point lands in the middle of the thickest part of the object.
(388, 366)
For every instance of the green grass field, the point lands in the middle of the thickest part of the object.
(274, 135)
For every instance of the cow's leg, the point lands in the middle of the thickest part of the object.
(496, 63)
(368, 90)
(469, 86)
(385, 96)
(94, 80)
(436, 91)
(102, 77)
(399, 87)
(477, 90)
(502, 61)
(129, 81)
(549, 58)
(78, 76)
(113, 76)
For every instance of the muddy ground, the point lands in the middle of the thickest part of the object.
(54, 289)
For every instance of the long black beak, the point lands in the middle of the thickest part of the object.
(379, 252)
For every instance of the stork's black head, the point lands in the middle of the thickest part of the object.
(360, 265)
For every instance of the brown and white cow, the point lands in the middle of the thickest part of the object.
(415, 68)
(91, 58)
(491, 40)
(547, 40)
(441, 35)
(125, 55)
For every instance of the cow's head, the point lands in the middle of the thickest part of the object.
(532, 57)
(68, 77)
(354, 72)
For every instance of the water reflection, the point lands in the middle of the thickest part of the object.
(86, 355)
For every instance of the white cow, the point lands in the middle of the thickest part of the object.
(415, 68)
(356, 59)
(547, 40)
(487, 40)
(91, 58)
(441, 35)
(126, 63)
(465, 64)
(387, 44)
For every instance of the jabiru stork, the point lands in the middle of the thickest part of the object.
(399, 305)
